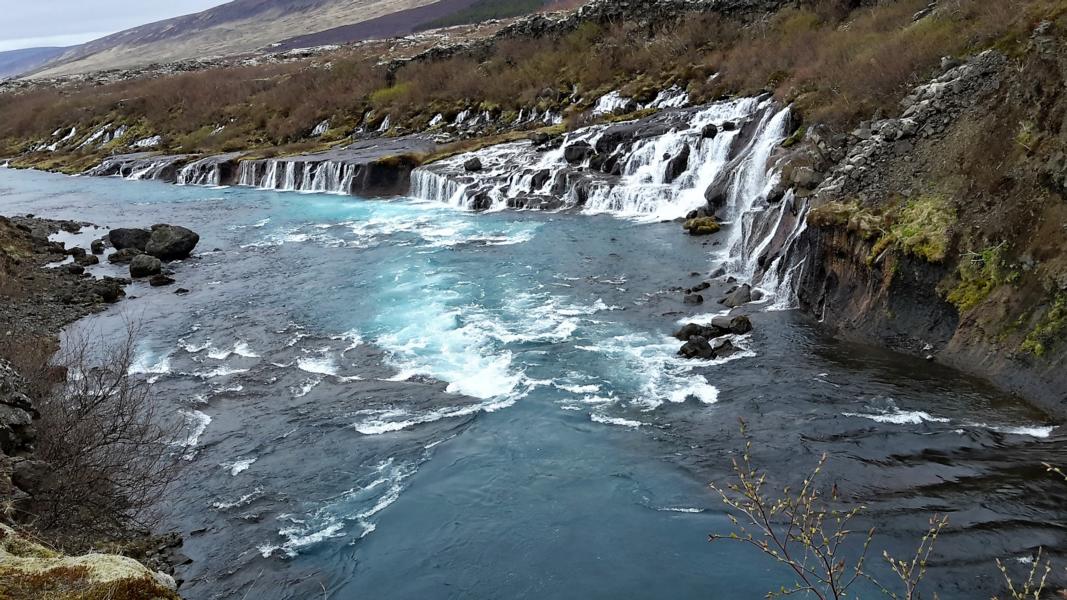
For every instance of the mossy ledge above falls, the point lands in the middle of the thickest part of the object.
(941, 233)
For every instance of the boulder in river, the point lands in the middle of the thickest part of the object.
(697, 347)
(701, 226)
(123, 256)
(129, 238)
(739, 324)
(693, 299)
(741, 294)
(723, 348)
(109, 289)
(160, 280)
(472, 165)
(577, 152)
(677, 165)
(74, 269)
(709, 131)
(87, 261)
(144, 265)
(692, 330)
(171, 242)
(97, 246)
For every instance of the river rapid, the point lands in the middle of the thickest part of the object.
(402, 398)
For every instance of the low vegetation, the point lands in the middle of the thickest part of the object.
(1049, 329)
(837, 64)
(979, 274)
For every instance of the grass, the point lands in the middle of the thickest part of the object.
(1049, 329)
(979, 274)
(837, 64)
(923, 228)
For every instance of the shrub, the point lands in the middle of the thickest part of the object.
(109, 449)
(1050, 328)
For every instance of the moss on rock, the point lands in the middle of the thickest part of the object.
(30, 571)
(701, 226)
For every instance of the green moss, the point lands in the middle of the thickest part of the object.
(979, 274)
(386, 96)
(701, 226)
(794, 139)
(1027, 135)
(852, 215)
(1051, 328)
(923, 227)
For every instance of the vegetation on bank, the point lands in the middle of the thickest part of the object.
(836, 63)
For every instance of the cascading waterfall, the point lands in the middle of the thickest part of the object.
(649, 180)
(326, 176)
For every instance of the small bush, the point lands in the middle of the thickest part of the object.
(923, 227)
(1049, 329)
(979, 274)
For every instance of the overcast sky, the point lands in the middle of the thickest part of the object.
(34, 23)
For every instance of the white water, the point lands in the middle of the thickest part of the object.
(515, 170)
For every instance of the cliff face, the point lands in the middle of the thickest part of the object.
(941, 232)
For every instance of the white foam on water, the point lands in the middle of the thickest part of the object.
(242, 349)
(578, 389)
(306, 387)
(358, 505)
(238, 466)
(1036, 431)
(897, 416)
(194, 348)
(220, 371)
(680, 509)
(354, 339)
(615, 421)
(382, 423)
(152, 364)
(242, 501)
(198, 421)
(324, 364)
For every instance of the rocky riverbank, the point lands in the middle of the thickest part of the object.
(45, 286)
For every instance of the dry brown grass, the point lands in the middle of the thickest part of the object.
(838, 64)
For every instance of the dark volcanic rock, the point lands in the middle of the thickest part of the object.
(692, 330)
(109, 289)
(677, 164)
(74, 269)
(97, 246)
(171, 242)
(693, 299)
(16, 412)
(144, 265)
(160, 280)
(87, 261)
(129, 238)
(742, 294)
(123, 256)
(473, 165)
(739, 324)
(577, 152)
(697, 347)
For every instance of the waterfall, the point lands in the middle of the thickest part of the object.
(201, 172)
(660, 167)
(294, 175)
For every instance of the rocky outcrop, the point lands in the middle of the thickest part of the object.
(16, 412)
(30, 570)
(144, 265)
(171, 242)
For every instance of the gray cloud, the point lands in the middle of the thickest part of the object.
(26, 24)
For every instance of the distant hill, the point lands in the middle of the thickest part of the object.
(233, 28)
(244, 26)
(17, 62)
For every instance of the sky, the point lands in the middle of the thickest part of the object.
(36, 23)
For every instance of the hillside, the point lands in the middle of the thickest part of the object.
(237, 27)
(17, 62)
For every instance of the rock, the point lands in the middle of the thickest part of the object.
(697, 347)
(540, 178)
(709, 131)
(729, 126)
(109, 289)
(693, 299)
(77, 252)
(481, 201)
(677, 165)
(473, 165)
(160, 280)
(737, 324)
(123, 256)
(701, 226)
(97, 246)
(577, 152)
(171, 242)
(31, 476)
(87, 261)
(742, 294)
(144, 265)
(129, 238)
(74, 269)
(700, 287)
(806, 177)
(692, 330)
(757, 295)
(722, 348)
(181, 291)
